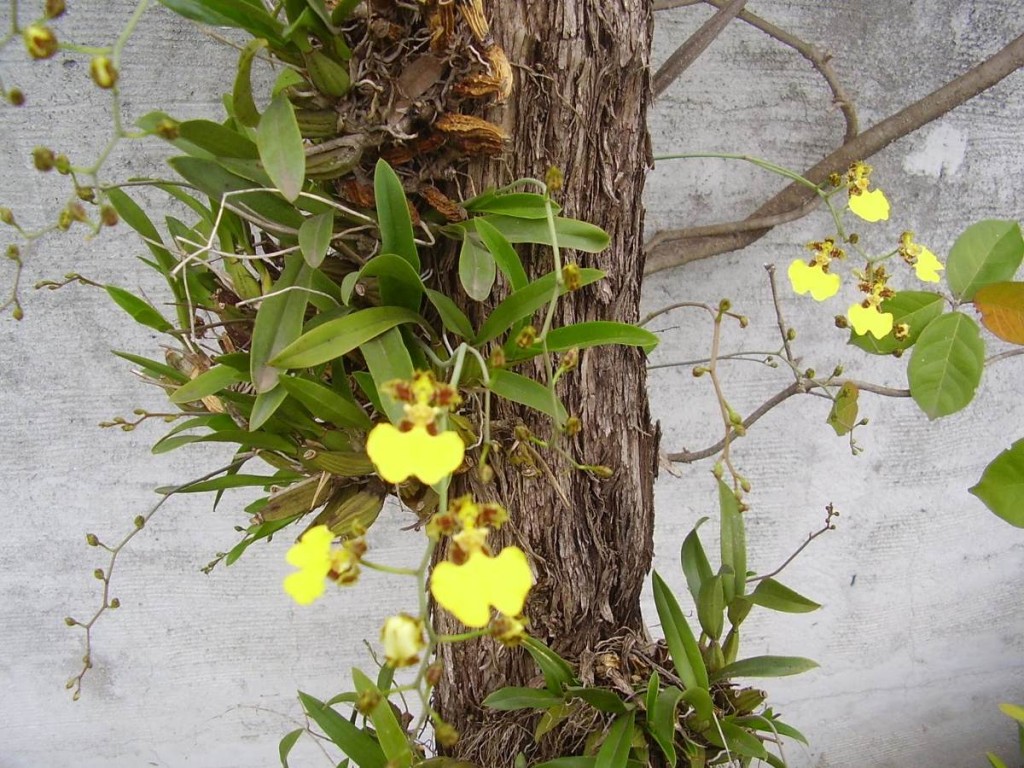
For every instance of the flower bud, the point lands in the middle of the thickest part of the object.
(571, 276)
(508, 631)
(54, 9)
(114, 604)
(791, 334)
(699, 371)
(554, 179)
(103, 72)
(7, 216)
(570, 359)
(98, 574)
(837, 371)
(745, 484)
(69, 621)
(140, 521)
(18, 313)
(734, 418)
(497, 358)
(40, 41)
(13, 252)
(88, 194)
(485, 473)
(367, 701)
(92, 540)
(108, 216)
(77, 211)
(724, 305)
(718, 470)
(744, 321)
(433, 674)
(602, 472)
(167, 129)
(402, 636)
(16, 97)
(526, 337)
(572, 426)
(842, 322)
(446, 735)
(64, 220)
(43, 159)
(63, 164)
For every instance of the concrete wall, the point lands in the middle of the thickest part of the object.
(922, 631)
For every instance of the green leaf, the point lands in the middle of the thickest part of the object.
(285, 747)
(987, 252)
(591, 334)
(154, 368)
(532, 394)
(396, 235)
(742, 742)
(388, 359)
(1001, 487)
(765, 666)
(556, 670)
(453, 318)
(682, 645)
(315, 238)
(340, 336)
(663, 719)
(568, 762)
(774, 596)
(279, 321)
(141, 310)
(915, 309)
(390, 734)
(614, 751)
(209, 383)
(504, 254)
(265, 406)
(599, 698)
(218, 140)
(524, 302)
(701, 702)
(228, 481)
(577, 235)
(400, 284)
(509, 698)
(242, 103)
(945, 368)
(769, 725)
(247, 440)
(520, 205)
(653, 687)
(711, 607)
(477, 270)
(843, 415)
(250, 16)
(257, 533)
(994, 760)
(734, 542)
(1013, 711)
(280, 146)
(354, 742)
(324, 403)
(694, 560)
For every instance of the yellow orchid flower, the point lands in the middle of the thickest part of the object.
(314, 558)
(871, 206)
(415, 452)
(806, 277)
(925, 263)
(870, 319)
(470, 590)
(402, 636)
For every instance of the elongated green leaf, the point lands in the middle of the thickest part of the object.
(528, 392)
(765, 666)
(577, 235)
(315, 238)
(285, 747)
(228, 481)
(477, 270)
(324, 403)
(265, 406)
(507, 699)
(711, 607)
(653, 687)
(591, 334)
(524, 302)
(392, 738)
(1001, 487)
(279, 321)
(987, 252)
(242, 103)
(946, 366)
(400, 284)
(915, 309)
(218, 140)
(734, 542)
(742, 742)
(141, 310)
(777, 597)
(153, 367)
(354, 742)
(396, 235)
(994, 760)
(209, 383)
(504, 254)
(700, 700)
(682, 645)
(694, 560)
(257, 533)
(556, 670)
(520, 205)
(663, 720)
(599, 698)
(614, 751)
(388, 359)
(453, 318)
(246, 440)
(243, 14)
(339, 337)
(280, 146)
(760, 723)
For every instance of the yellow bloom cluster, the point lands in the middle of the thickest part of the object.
(814, 277)
(317, 561)
(416, 448)
(474, 581)
(870, 205)
(867, 316)
(925, 263)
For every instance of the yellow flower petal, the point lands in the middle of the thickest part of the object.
(870, 206)
(927, 266)
(469, 590)
(313, 550)
(804, 278)
(398, 454)
(304, 586)
(869, 320)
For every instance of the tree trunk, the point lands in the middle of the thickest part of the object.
(579, 104)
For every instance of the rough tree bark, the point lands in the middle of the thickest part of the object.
(579, 104)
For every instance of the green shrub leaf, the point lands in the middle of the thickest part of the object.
(1001, 487)
(280, 146)
(507, 699)
(477, 269)
(682, 645)
(141, 310)
(396, 235)
(315, 238)
(242, 103)
(765, 666)
(987, 252)
(945, 368)
(279, 321)
(392, 738)
(777, 597)
(354, 742)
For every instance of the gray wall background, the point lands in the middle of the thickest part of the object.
(922, 630)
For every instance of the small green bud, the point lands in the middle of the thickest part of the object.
(718, 471)
(43, 159)
(140, 521)
(88, 194)
(103, 72)
(167, 129)
(554, 179)
(791, 334)
(809, 373)
(837, 371)
(98, 574)
(92, 540)
(739, 430)
(744, 321)
(571, 277)
(570, 359)
(40, 41)
(62, 164)
(602, 472)
(54, 9)
(572, 426)
(13, 252)
(745, 485)
(114, 604)
(734, 418)
(16, 97)
(485, 473)
(69, 621)
(77, 211)
(70, 684)
(724, 305)
(446, 735)
(699, 371)
(367, 701)
(64, 220)
(853, 239)
(18, 313)
(7, 216)
(526, 337)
